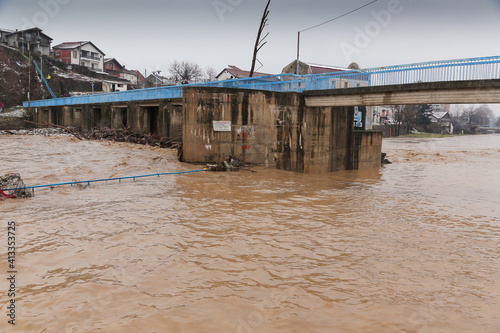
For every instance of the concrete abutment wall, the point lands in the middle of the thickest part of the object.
(274, 130)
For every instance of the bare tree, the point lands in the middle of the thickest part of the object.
(259, 43)
(484, 115)
(210, 74)
(185, 72)
(465, 118)
(473, 115)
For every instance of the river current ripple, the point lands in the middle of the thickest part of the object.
(412, 247)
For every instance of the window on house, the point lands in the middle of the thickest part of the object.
(58, 53)
(75, 54)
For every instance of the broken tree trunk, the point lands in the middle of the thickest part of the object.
(258, 42)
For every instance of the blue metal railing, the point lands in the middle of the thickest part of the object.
(439, 71)
(436, 71)
(88, 182)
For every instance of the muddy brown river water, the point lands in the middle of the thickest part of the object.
(412, 247)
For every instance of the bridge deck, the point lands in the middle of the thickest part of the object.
(455, 92)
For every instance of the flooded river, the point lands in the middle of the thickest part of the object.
(412, 247)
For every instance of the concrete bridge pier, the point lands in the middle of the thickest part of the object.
(274, 130)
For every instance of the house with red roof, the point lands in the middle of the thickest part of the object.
(80, 53)
(114, 68)
(140, 77)
(233, 72)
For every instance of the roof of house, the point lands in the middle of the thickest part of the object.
(310, 68)
(113, 60)
(440, 115)
(240, 73)
(323, 70)
(74, 45)
(13, 32)
(140, 77)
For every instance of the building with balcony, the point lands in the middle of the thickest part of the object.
(30, 40)
(80, 53)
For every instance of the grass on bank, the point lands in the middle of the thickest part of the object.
(428, 135)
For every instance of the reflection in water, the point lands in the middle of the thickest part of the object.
(412, 247)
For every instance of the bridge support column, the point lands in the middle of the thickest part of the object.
(274, 130)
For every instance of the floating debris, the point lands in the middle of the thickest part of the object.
(229, 164)
(126, 135)
(12, 186)
(385, 160)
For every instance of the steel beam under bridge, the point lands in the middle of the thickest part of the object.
(455, 92)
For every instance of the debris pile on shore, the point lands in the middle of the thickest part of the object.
(126, 135)
(101, 133)
(37, 131)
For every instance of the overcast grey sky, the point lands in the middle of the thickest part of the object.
(149, 34)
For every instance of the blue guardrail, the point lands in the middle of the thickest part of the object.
(438, 71)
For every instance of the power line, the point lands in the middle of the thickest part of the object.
(336, 18)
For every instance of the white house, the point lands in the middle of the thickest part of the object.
(80, 53)
(444, 120)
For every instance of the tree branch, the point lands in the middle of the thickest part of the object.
(256, 49)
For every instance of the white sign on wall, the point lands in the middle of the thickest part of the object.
(222, 126)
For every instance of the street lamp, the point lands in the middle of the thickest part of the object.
(156, 73)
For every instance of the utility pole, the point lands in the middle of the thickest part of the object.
(318, 25)
(298, 53)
